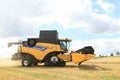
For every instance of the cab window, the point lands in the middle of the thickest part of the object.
(63, 45)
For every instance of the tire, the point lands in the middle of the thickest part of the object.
(31, 42)
(27, 62)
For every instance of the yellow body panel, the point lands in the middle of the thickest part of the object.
(65, 57)
(39, 54)
(78, 58)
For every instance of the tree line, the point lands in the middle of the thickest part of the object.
(112, 54)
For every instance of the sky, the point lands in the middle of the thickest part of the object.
(93, 23)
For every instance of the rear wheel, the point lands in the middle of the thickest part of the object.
(26, 62)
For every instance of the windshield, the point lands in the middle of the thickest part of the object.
(64, 45)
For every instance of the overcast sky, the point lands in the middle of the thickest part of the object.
(87, 22)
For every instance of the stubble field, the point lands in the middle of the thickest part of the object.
(96, 69)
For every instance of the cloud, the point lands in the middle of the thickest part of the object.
(12, 14)
(101, 46)
(77, 14)
(20, 18)
(102, 24)
(106, 6)
(5, 51)
(14, 27)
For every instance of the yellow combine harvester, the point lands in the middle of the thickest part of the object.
(51, 50)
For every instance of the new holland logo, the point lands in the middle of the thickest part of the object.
(38, 47)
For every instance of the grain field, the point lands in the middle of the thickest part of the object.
(96, 69)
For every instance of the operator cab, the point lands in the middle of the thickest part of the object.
(65, 44)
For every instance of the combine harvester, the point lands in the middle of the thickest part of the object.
(50, 50)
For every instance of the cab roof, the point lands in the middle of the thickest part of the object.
(66, 39)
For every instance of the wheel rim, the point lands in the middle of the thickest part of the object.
(54, 59)
(25, 62)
